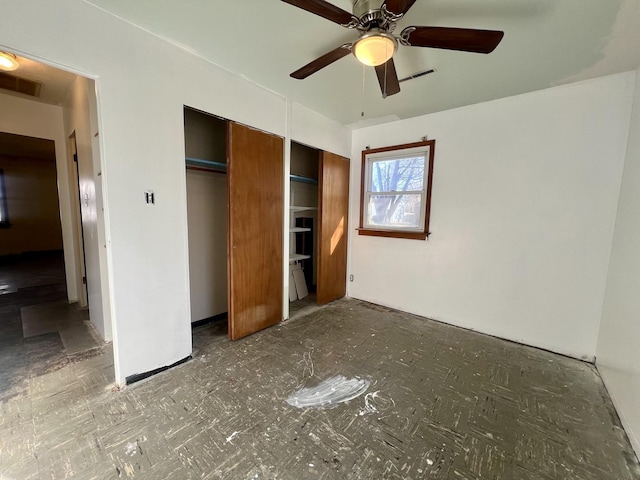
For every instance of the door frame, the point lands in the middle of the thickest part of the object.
(76, 219)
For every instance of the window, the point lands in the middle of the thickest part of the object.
(396, 190)
(4, 213)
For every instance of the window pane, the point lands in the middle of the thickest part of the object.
(397, 175)
(396, 211)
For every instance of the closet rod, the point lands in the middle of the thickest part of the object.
(300, 178)
(198, 162)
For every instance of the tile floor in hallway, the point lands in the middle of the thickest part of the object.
(443, 403)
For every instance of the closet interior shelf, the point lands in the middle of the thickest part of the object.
(295, 208)
(295, 257)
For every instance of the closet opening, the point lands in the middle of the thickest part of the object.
(206, 175)
(318, 226)
(303, 229)
(235, 216)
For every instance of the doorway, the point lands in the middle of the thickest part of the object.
(39, 329)
(58, 283)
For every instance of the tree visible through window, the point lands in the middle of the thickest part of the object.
(392, 176)
(4, 213)
(396, 189)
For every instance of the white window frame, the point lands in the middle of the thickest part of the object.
(369, 158)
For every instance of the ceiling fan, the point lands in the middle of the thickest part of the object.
(376, 45)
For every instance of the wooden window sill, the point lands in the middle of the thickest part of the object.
(392, 234)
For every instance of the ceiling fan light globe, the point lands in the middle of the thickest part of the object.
(376, 49)
(8, 62)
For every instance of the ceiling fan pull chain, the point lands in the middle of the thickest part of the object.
(386, 66)
(363, 80)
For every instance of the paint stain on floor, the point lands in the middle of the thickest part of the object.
(329, 392)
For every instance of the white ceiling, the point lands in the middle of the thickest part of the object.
(546, 43)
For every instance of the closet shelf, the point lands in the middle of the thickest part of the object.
(301, 209)
(209, 164)
(299, 229)
(300, 178)
(294, 257)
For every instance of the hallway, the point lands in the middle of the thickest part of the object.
(40, 332)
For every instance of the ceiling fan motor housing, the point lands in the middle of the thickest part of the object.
(362, 7)
(370, 15)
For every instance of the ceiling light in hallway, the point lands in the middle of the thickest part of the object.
(8, 61)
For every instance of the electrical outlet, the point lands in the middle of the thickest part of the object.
(149, 197)
(351, 277)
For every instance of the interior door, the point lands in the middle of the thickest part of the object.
(81, 256)
(333, 216)
(256, 223)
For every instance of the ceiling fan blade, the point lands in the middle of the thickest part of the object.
(399, 7)
(323, 9)
(464, 39)
(323, 61)
(388, 78)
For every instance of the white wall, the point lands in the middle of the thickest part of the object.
(524, 199)
(312, 129)
(77, 119)
(618, 353)
(207, 216)
(26, 117)
(143, 85)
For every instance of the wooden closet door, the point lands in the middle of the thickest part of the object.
(333, 217)
(256, 204)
